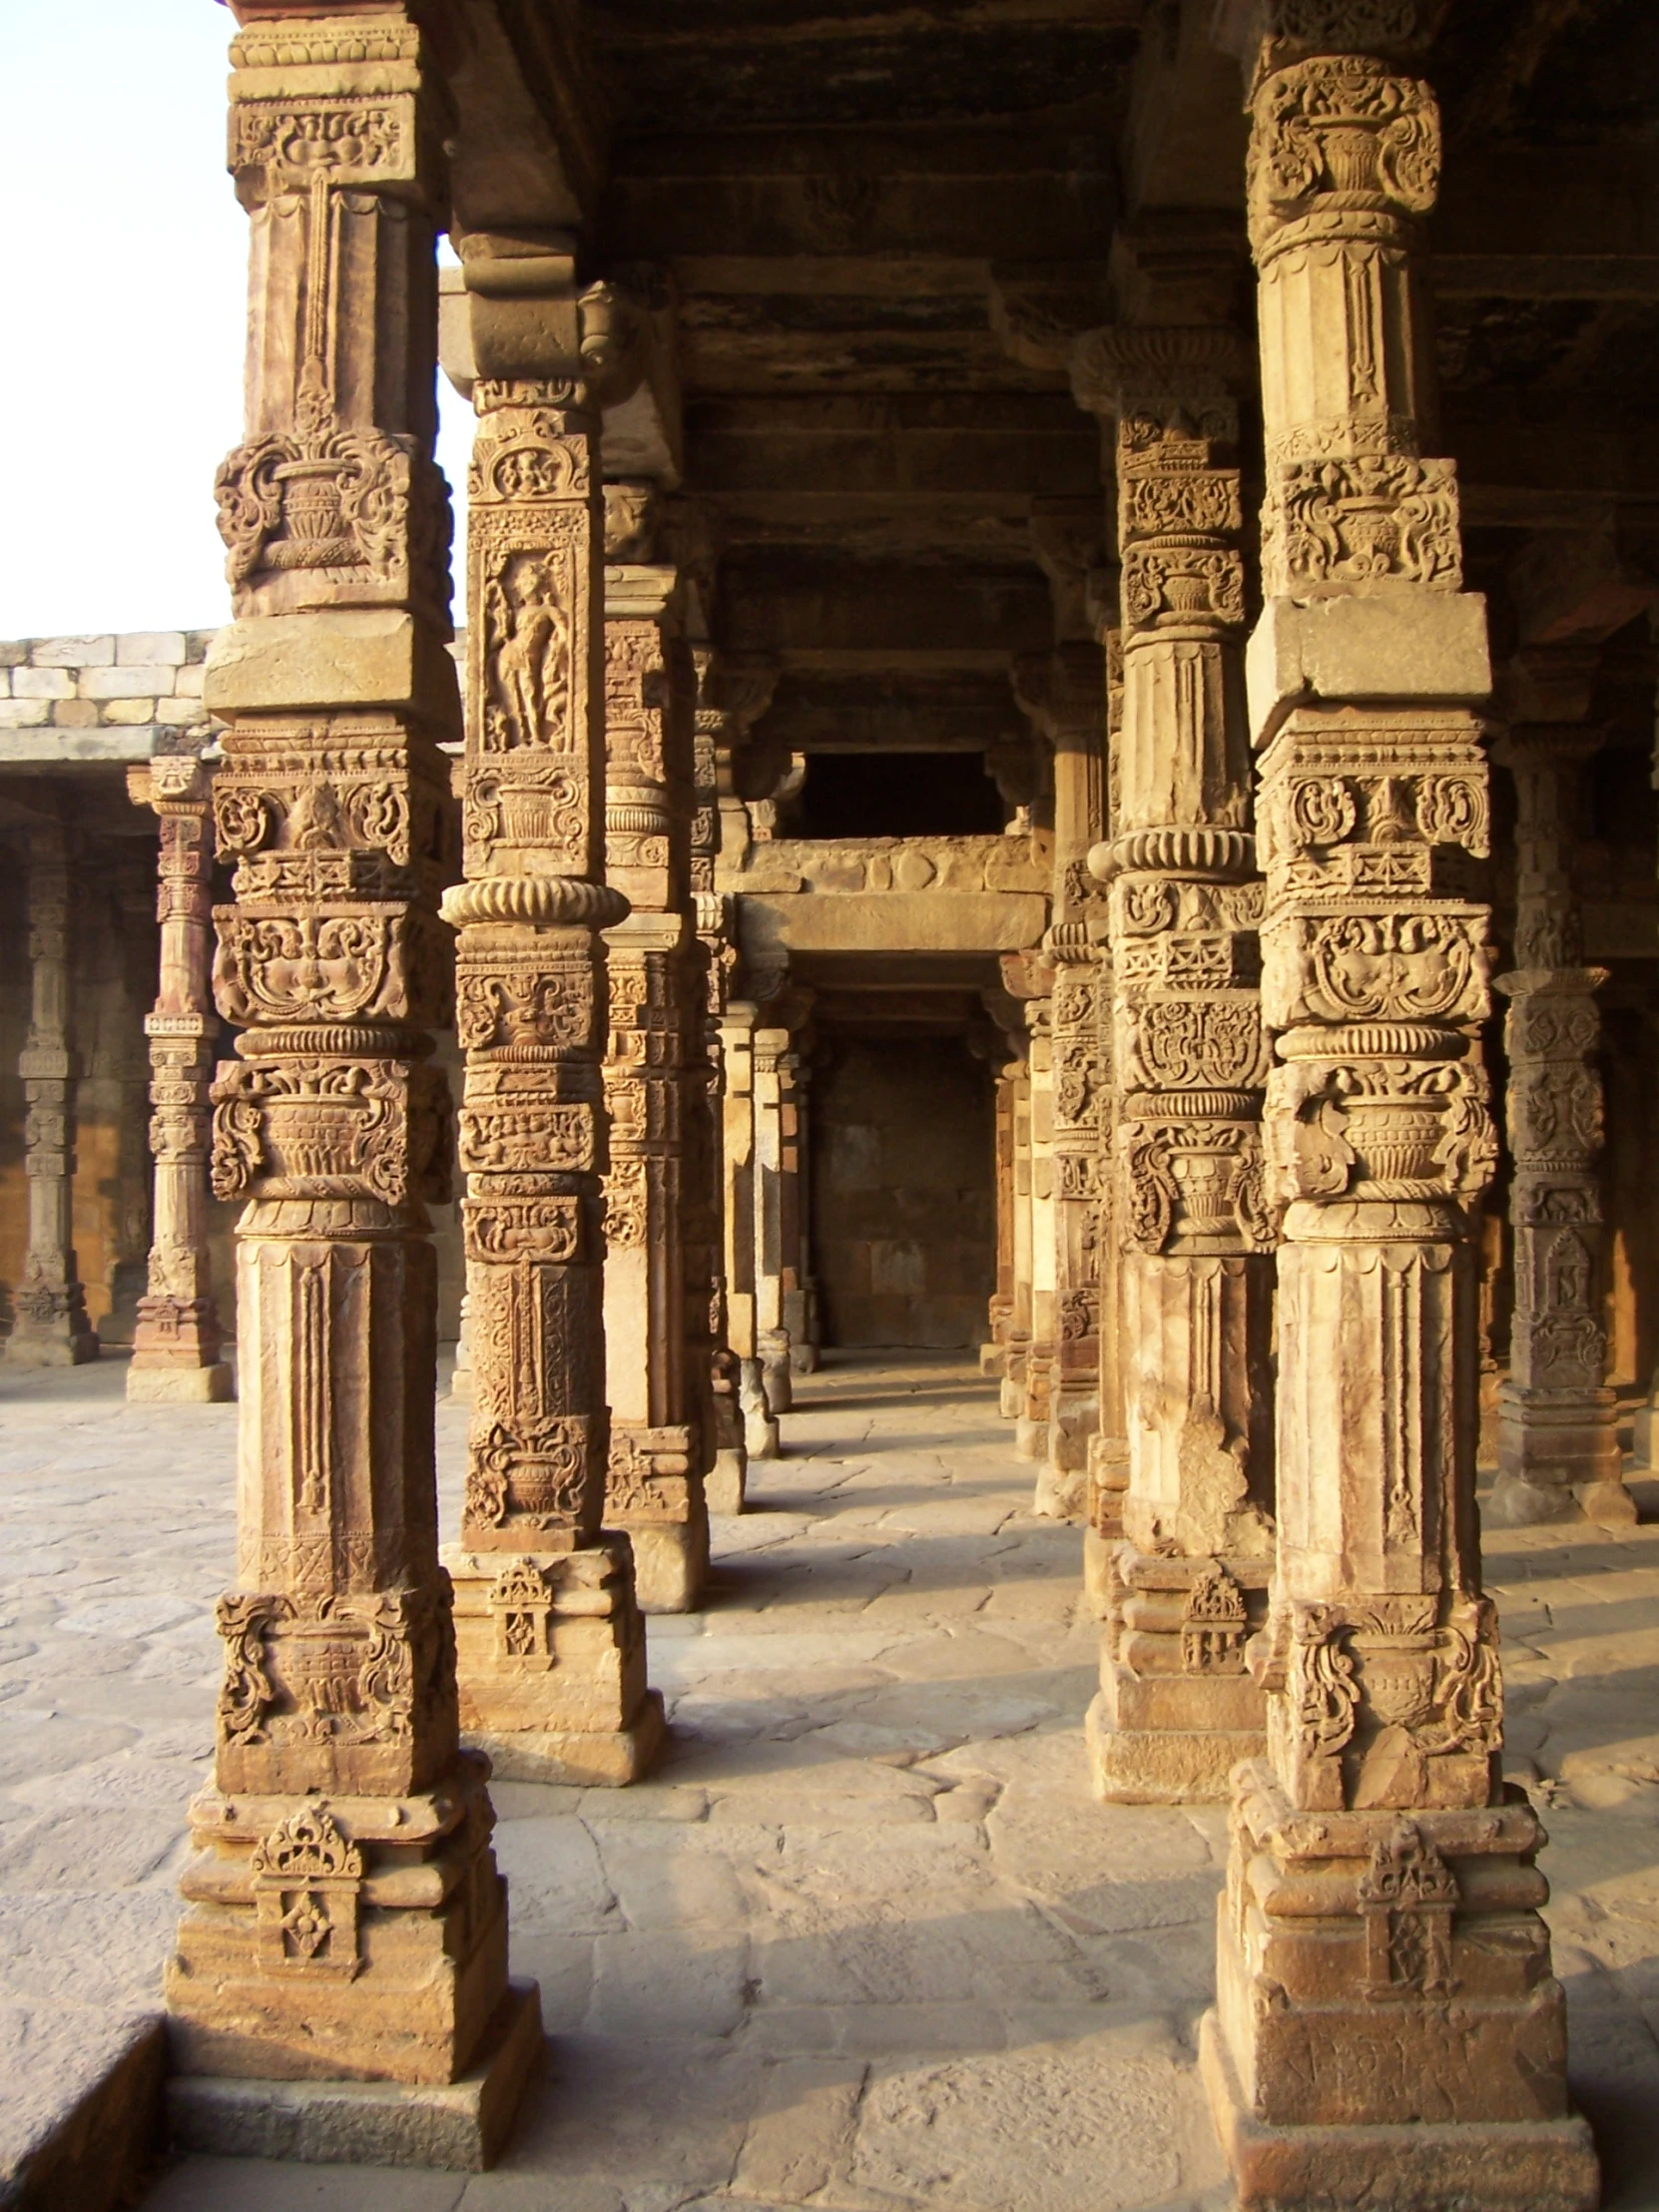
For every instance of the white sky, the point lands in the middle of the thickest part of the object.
(120, 376)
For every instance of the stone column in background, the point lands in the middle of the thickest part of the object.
(653, 1488)
(993, 1353)
(176, 1346)
(1063, 695)
(777, 1211)
(801, 1316)
(1558, 1448)
(1385, 2000)
(1177, 1709)
(1032, 1416)
(739, 1219)
(551, 1646)
(51, 1328)
(344, 1917)
(1017, 1345)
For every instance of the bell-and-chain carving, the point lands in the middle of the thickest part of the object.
(341, 1800)
(176, 1344)
(1381, 1894)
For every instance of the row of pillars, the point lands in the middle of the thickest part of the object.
(1257, 1081)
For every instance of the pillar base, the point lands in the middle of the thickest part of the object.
(1030, 1437)
(550, 1655)
(588, 1759)
(343, 1937)
(1558, 1460)
(1458, 2166)
(1098, 1552)
(993, 1361)
(805, 1358)
(1164, 1766)
(775, 1355)
(722, 1485)
(1061, 1494)
(461, 2126)
(169, 1385)
(28, 1346)
(671, 1564)
(460, 1387)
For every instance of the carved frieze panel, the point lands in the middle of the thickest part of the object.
(315, 1127)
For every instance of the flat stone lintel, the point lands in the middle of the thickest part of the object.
(1457, 2166)
(462, 2127)
(589, 1757)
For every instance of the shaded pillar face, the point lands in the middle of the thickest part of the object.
(551, 1646)
(1194, 1227)
(50, 1329)
(321, 1936)
(176, 1344)
(1382, 1959)
(655, 1480)
(740, 1173)
(1558, 1448)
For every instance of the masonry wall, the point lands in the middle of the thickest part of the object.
(903, 1204)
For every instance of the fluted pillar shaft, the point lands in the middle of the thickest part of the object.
(1385, 1999)
(344, 1911)
(740, 1171)
(50, 1327)
(1558, 1447)
(176, 1344)
(1194, 1229)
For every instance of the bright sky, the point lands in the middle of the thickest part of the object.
(121, 381)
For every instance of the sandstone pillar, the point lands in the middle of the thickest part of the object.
(1558, 1448)
(176, 1344)
(993, 1353)
(740, 1171)
(51, 1328)
(776, 1209)
(1029, 978)
(550, 1644)
(345, 1918)
(1177, 1709)
(653, 1488)
(1063, 695)
(1018, 1341)
(800, 1297)
(1384, 2003)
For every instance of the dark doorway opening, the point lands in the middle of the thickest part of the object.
(904, 1208)
(897, 795)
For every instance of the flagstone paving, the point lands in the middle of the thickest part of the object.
(864, 1941)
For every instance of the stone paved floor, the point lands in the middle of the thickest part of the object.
(864, 1941)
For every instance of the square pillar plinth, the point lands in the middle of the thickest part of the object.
(1387, 2029)
(550, 1653)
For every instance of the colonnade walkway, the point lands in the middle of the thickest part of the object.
(864, 1940)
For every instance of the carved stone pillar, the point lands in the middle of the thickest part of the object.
(776, 1209)
(1018, 1341)
(993, 1354)
(551, 1645)
(654, 1484)
(1558, 1448)
(1177, 1709)
(1385, 2001)
(1064, 694)
(51, 1328)
(800, 1297)
(1031, 1418)
(177, 1342)
(739, 1215)
(344, 1917)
